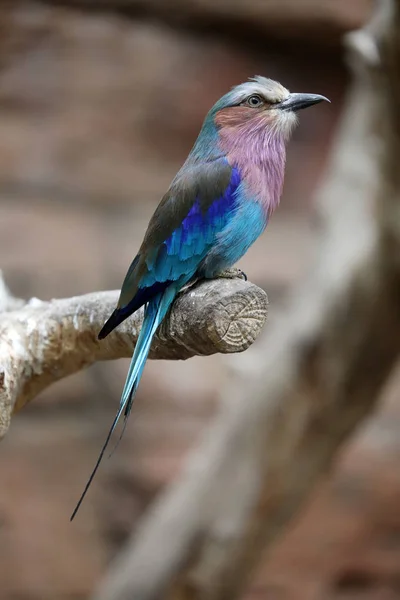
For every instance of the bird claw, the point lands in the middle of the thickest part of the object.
(233, 273)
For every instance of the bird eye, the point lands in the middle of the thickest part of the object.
(254, 101)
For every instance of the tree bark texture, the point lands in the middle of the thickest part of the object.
(41, 342)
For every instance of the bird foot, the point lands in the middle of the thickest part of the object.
(233, 273)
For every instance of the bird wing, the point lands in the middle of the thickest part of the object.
(197, 207)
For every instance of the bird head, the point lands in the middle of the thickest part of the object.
(262, 103)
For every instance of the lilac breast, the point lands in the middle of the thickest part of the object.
(258, 151)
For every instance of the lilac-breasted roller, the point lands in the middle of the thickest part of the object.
(216, 207)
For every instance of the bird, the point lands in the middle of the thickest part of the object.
(218, 204)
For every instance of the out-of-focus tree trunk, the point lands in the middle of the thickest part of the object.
(311, 381)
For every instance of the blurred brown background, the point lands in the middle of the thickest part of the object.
(99, 105)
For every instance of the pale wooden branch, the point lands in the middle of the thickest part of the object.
(42, 342)
(307, 386)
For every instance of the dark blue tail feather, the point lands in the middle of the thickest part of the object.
(154, 314)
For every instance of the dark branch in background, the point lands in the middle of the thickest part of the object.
(312, 379)
(42, 342)
(310, 21)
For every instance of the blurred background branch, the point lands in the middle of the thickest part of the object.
(315, 376)
(43, 342)
(7, 300)
(325, 21)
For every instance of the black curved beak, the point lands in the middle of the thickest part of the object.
(296, 102)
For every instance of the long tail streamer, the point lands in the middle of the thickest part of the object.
(154, 314)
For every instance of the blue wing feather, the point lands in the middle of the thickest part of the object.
(179, 256)
(182, 252)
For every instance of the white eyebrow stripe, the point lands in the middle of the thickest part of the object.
(267, 88)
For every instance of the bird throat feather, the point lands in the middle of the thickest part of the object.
(254, 143)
